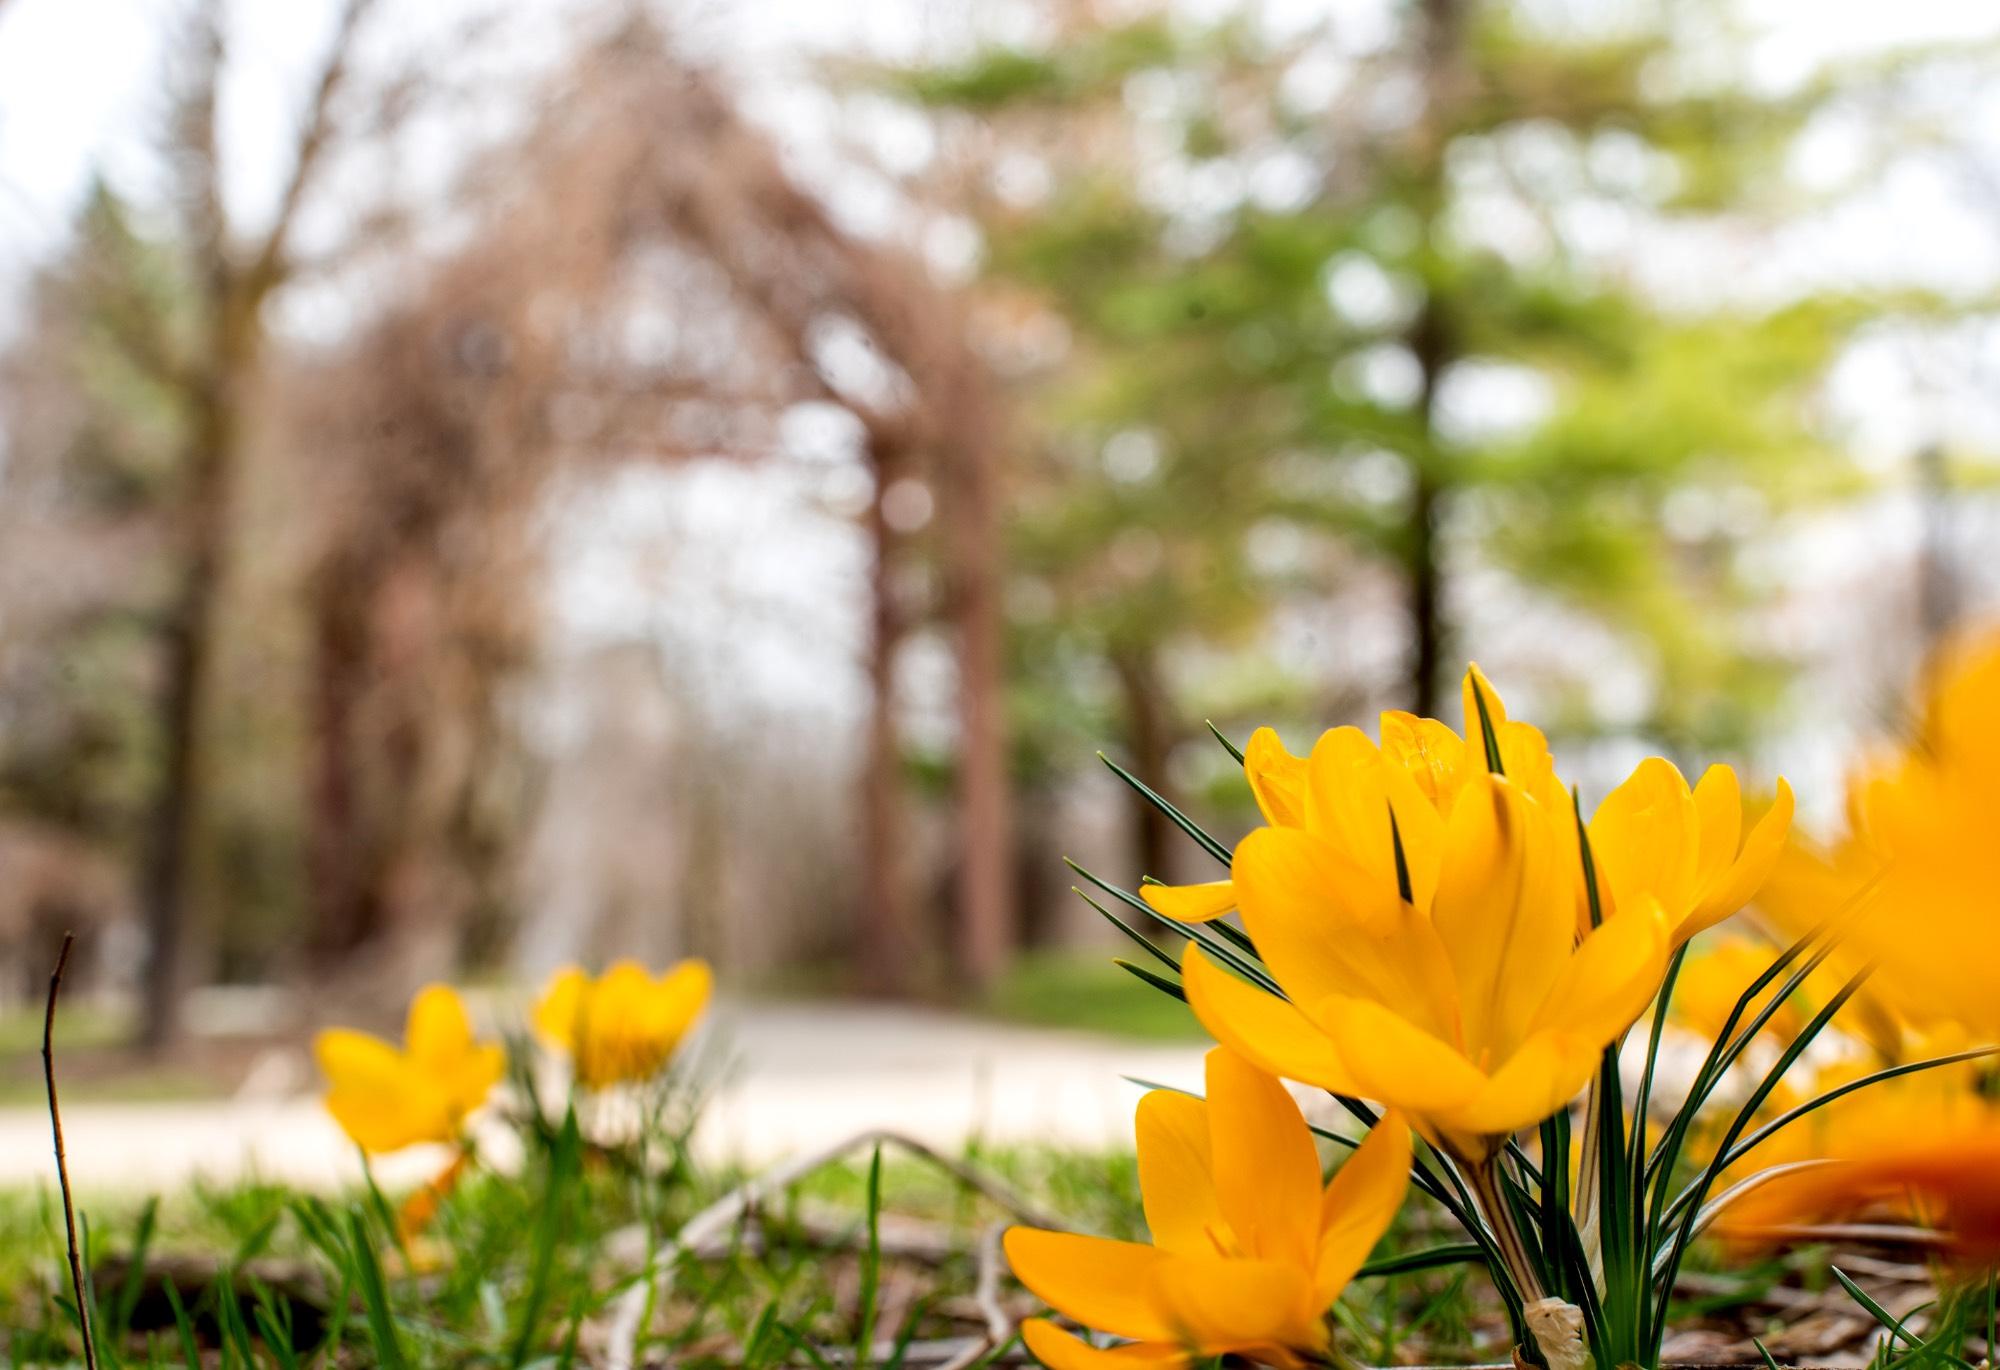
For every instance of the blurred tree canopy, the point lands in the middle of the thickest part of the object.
(1204, 371)
(1312, 320)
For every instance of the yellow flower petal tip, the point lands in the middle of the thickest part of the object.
(386, 1098)
(1191, 903)
(1249, 1249)
(626, 1024)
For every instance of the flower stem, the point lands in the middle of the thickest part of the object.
(1487, 1188)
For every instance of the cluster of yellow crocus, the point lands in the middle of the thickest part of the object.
(1249, 1249)
(1427, 916)
(620, 1027)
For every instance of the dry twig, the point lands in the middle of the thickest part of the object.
(62, 1159)
(630, 1310)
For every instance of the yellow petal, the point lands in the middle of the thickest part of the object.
(683, 993)
(1610, 978)
(1277, 779)
(1176, 1173)
(1645, 838)
(349, 1057)
(1429, 752)
(1260, 1026)
(1718, 805)
(1541, 1077)
(1266, 1169)
(1747, 873)
(438, 1031)
(1360, 1203)
(1325, 926)
(376, 1096)
(1503, 912)
(1060, 1350)
(471, 1080)
(556, 1012)
(1393, 1060)
(1101, 1283)
(1191, 903)
(1347, 803)
(1221, 1305)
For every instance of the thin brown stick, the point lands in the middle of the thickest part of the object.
(62, 1158)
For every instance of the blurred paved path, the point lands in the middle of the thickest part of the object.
(806, 1076)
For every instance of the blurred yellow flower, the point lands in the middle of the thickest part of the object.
(624, 1025)
(1249, 1251)
(1709, 985)
(386, 1098)
(1948, 1180)
(1926, 818)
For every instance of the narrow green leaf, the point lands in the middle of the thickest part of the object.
(388, 1346)
(1486, 732)
(871, 1265)
(1158, 982)
(565, 1164)
(1431, 1258)
(1179, 819)
(1227, 745)
(1137, 936)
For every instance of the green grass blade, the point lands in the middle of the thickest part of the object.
(126, 1302)
(388, 1344)
(871, 1266)
(183, 1325)
(1876, 1310)
(565, 1164)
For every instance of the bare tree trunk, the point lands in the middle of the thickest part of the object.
(336, 861)
(169, 889)
(985, 798)
(1149, 743)
(1434, 347)
(886, 944)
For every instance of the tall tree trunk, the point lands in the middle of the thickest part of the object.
(985, 799)
(170, 870)
(1149, 742)
(887, 943)
(1432, 343)
(337, 862)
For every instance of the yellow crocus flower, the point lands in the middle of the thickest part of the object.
(1249, 1251)
(1347, 789)
(1479, 1015)
(1685, 849)
(1651, 837)
(624, 1025)
(388, 1098)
